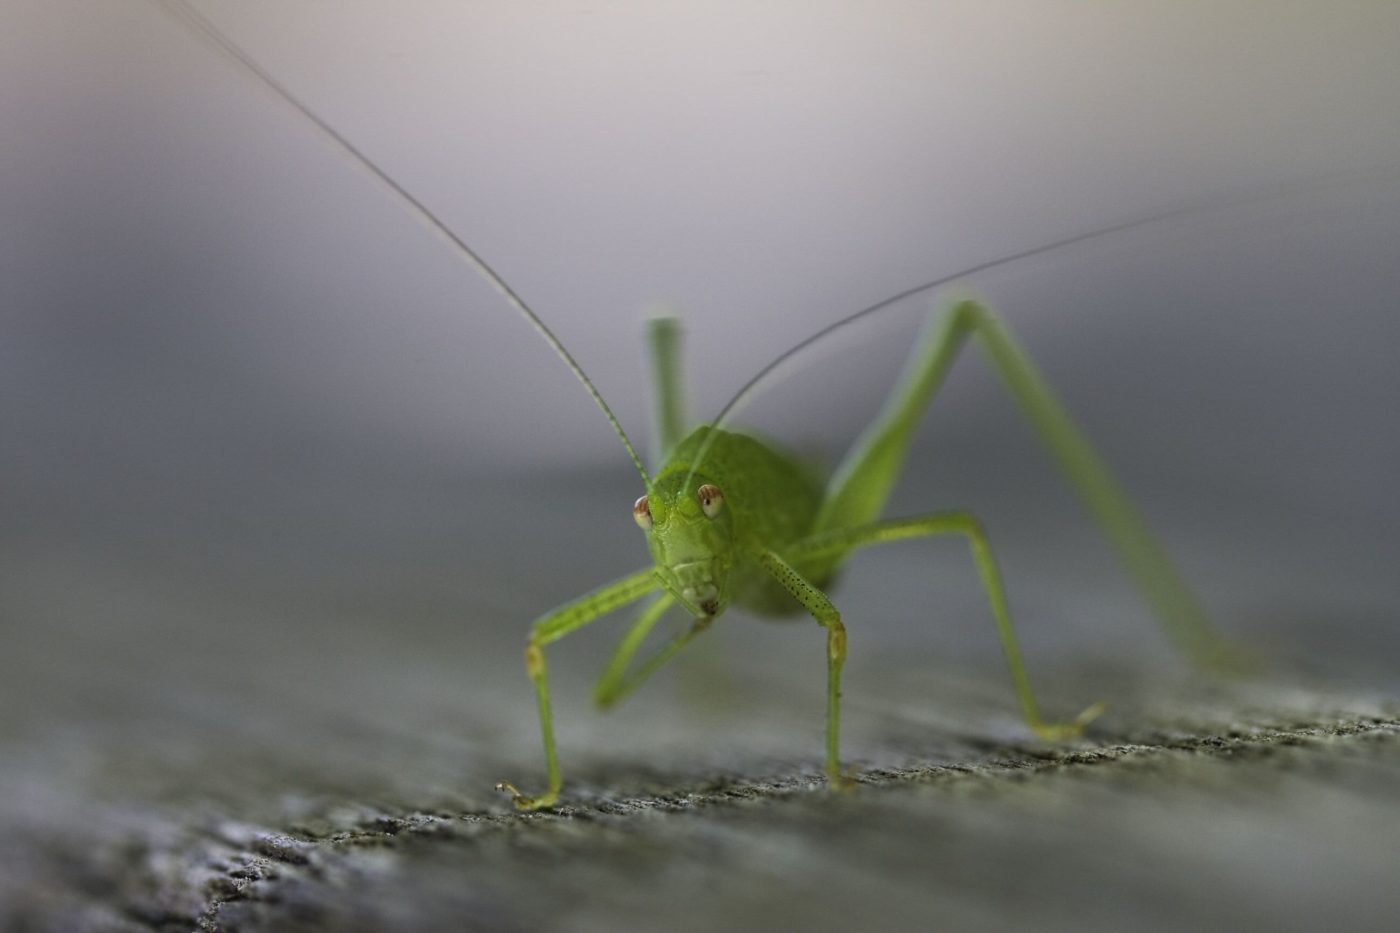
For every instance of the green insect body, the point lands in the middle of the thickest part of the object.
(730, 520)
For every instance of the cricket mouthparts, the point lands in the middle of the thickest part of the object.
(696, 583)
(703, 595)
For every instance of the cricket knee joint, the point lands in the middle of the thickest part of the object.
(836, 641)
(967, 525)
(967, 316)
(534, 659)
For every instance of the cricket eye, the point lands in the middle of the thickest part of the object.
(711, 500)
(641, 513)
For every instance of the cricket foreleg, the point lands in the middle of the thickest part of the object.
(550, 628)
(616, 681)
(817, 603)
(961, 523)
(861, 484)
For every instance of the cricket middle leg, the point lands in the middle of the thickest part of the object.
(965, 524)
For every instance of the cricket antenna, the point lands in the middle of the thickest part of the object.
(774, 369)
(207, 31)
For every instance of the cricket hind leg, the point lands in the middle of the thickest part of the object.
(841, 541)
(567, 618)
(668, 387)
(860, 486)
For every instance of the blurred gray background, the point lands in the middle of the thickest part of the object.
(230, 358)
(267, 445)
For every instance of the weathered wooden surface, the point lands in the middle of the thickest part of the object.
(249, 752)
(260, 638)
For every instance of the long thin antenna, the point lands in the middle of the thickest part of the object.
(207, 31)
(773, 369)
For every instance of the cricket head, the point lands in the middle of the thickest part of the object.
(690, 534)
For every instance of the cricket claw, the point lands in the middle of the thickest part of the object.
(524, 801)
(842, 782)
(1060, 731)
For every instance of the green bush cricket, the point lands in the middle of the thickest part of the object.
(732, 521)
(729, 520)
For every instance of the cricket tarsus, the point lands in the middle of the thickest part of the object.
(730, 520)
